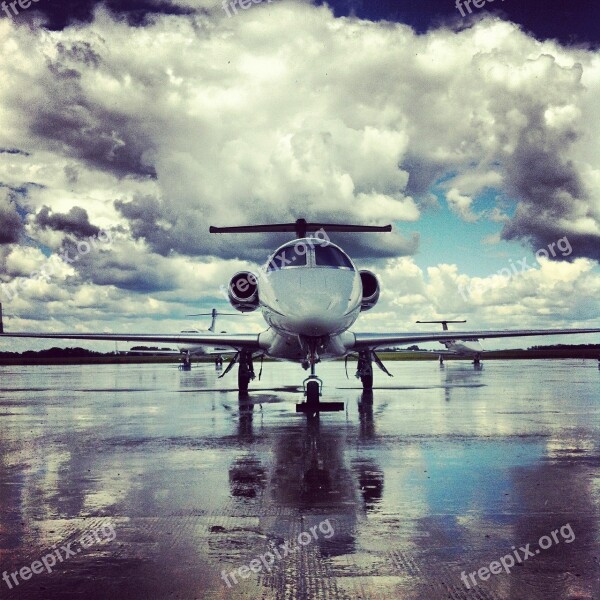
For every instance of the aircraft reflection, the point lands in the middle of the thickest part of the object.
(460, 375)
(309, 475)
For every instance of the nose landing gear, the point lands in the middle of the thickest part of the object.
(313, 387)
(313, 406)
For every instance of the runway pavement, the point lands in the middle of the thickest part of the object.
(125, 481)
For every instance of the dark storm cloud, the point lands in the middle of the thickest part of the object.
(14, 151)
(76, 221)
(377, 245)
(124, 267)
(90, 129)
(188, 234)
(552, 195)
(11, 225)
(105, 140)
(81, 52)
(61, 13)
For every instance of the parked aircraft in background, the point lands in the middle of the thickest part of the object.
(466, 347)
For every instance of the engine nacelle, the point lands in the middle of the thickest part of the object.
(370, 289)
(243, 291)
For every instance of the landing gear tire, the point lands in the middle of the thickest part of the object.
(367, 382)
(364, 369)
(312, 397)
(243, 381)
(245, 372)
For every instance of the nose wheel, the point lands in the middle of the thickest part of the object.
(313, 388)
(313, 406)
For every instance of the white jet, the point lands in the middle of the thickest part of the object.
(310, 293)
(186, 351)
(465, 347)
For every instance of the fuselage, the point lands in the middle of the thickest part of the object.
(309, 289)
(462, 348)
(197, 349)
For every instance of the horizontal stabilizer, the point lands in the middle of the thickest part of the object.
(444, 324)
(301, 227)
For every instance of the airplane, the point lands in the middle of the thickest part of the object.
(186, 351)
(458, 347)
(310, 293)
(189, 350)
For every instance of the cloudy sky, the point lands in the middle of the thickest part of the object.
(127, 128)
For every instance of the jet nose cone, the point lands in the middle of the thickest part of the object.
(315, 302)
(317, 316)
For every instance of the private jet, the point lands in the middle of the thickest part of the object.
(310, 293)
(463, 348)
(188, 350)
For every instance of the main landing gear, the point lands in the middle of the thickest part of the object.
(364, 369)
(245, 371)
(186, 362)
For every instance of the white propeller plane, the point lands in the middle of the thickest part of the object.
(310, 294)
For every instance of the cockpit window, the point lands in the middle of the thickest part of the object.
(289, 256)
(329, 256)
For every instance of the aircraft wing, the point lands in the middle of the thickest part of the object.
(373, 340)
(246, 341)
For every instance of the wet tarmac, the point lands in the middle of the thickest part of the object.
(124, 481)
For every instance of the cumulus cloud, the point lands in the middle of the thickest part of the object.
(233, 121)
(11, 225)
(76, 221)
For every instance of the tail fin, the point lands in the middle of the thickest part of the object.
(444, 324)
(214, 313)
(300, 227)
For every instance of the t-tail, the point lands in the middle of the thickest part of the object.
(301, 227)
(444, 323)
(214, 313)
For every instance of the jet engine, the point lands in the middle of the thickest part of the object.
(243, 291)
(370, 289)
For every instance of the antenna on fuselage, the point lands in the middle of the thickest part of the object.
(301, 227)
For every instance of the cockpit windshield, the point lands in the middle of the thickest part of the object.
(330, 256)
(304, 254)
(288, 256)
